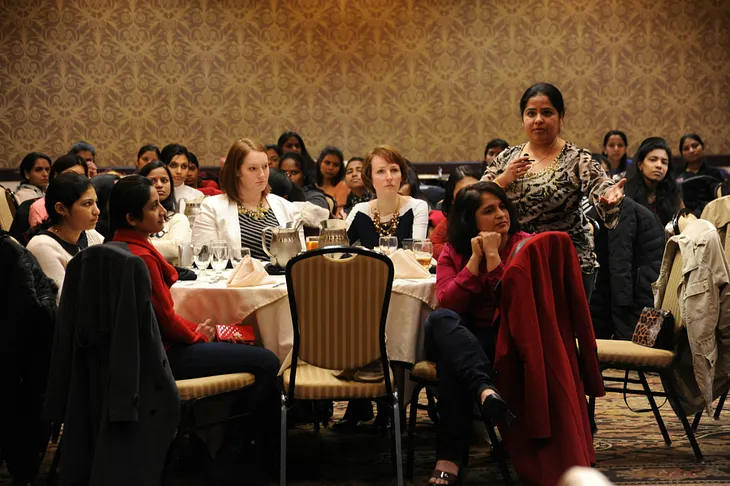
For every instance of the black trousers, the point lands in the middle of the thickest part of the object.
(464, 371)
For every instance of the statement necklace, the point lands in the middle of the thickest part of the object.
(389, 228)
(258, 213)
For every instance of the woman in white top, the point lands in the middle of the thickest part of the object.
(389, 214)
(246, 206)
(34, 173)
(175, 157)
(176, 230)
(73, 214)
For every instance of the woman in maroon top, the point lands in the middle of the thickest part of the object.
(483, 229)
(135, 213)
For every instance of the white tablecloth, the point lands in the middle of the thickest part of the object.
(410, 303)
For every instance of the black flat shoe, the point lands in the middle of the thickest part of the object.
(496, 409)
(345, 425)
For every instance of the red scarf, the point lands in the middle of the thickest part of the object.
(135, 238)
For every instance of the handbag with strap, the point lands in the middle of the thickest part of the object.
(655, 329)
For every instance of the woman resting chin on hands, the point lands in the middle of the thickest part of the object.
(482, 231)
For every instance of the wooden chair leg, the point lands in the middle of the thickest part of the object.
(655, 409)
(412, 430)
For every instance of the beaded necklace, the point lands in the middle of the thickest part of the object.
(388, 228)
(258, 213)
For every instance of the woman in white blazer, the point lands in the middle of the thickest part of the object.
(246, 206)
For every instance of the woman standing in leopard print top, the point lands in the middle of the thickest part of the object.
(547, 177)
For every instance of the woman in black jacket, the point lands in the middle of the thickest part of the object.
(630, 257)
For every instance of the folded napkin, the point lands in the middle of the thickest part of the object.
(406, 266)
(249, 273)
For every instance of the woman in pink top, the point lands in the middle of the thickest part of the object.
(483, 230)
(66, 163)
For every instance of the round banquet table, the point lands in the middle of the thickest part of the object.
(267, 307)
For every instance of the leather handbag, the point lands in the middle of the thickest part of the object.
(654, 329)
(235, 333)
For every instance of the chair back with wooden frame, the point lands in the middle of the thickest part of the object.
(339, 299)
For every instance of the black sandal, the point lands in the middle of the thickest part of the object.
(451, 479)
(496, 409)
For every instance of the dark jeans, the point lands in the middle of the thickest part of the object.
(208, 359)
(464, 371)
(589, 283)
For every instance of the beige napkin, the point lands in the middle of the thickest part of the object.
(406, 266)
(249, 273)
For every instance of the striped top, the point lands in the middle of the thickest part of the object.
(251, 230)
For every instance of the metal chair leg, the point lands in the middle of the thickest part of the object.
(674, 403)
(396, 432)
(720, 404)
(412, 430)
(282, 451)
(654, 408)
(592, 414)
(51, 478)
(696, 421)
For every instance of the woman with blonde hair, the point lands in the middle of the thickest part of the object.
(246, 206)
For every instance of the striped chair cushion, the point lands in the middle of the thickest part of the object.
(425, 370)
(611, 351)
(315, 383)
(671, 297)
(213, 385)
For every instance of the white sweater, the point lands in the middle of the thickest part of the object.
(176, 232)
(53, 258)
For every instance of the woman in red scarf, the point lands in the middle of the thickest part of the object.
(483, 229)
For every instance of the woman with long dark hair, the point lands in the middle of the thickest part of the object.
(652, 185)
(294, 166)
(34, 174)
(615, 146)
(483, 229)
(176, 230)
(293, 142)
(72, 216)
(146, 154)
(330, 175)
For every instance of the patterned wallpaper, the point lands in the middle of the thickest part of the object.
(435, 78)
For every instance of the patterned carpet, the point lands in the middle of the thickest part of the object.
(629, 448)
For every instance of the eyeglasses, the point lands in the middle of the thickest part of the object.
(292, 173)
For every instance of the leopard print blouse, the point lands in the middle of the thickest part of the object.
(549, 200)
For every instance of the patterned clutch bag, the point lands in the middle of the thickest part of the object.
(236, 333)
(654, 329)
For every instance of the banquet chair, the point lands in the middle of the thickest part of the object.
(627, 356)
(425, 375)
(341, 329)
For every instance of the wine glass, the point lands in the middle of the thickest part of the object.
(219, 261)
(423, 250)
(238, 254)
(201, 257)
(388, 244)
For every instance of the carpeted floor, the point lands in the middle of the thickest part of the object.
(629, 448)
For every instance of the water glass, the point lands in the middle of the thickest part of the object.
(408, 244)
(219, 254)
(388, 244)
(201, 256)
(238, 254)
(423, 250)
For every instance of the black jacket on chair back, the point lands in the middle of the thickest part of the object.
(630, 257)
(109, 380)
(28, 303)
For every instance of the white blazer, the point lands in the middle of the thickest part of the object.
(218, 219)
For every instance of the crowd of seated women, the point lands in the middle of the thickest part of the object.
(544, 184)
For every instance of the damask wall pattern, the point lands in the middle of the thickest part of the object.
(435, 78)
